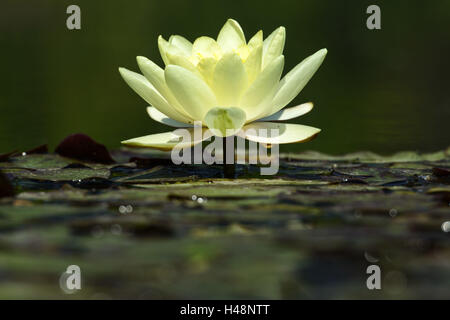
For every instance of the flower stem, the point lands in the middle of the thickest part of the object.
(228, 169)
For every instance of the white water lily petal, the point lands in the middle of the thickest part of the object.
(289, 113)
(157, 115)
(229, 80)
(163, 45)
(148, 92)
(262, 87)
(278, 133)
(206, 47)
(190, 90)
(169, 50)
(206, 68)
(243, 52)
(155, 75)
(273, 46)
(181, 43)
(224, 122)
(264, 107)
(180, 60)
(256, 40)
(293, 82)
(231, 36)
(253, 63)
(169, 140)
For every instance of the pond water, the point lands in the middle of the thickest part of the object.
(384, 90)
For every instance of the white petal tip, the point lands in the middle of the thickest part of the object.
(123, 71)
(141, 59)
(308, 105)
(285, 132)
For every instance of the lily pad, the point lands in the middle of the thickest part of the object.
(82, 147)
(6, 189)
(150, 229)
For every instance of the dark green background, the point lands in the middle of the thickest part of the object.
(384, 90)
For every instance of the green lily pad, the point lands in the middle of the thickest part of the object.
(69, 174)
(150, 229)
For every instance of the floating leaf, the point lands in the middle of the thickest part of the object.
(82, 147)
(6, 189)
(36, 161)
(166, 224)
(441, 172)
(39, 149)
(66, 174)
(6, 156)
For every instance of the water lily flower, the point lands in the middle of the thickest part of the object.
(227, 84)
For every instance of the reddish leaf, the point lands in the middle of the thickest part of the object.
(441, 172)
(149, 162)
(6, 156)
(39, 149)
(82, 147)
(6, 189)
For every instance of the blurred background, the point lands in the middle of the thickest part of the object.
(380, 90)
